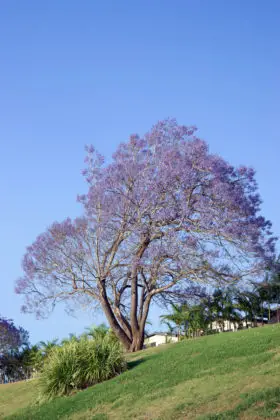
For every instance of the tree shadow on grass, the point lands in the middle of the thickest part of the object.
(134, 363)
(131, 364)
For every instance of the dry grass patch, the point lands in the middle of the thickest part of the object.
(17, 395)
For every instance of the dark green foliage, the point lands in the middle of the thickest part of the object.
(187, 320)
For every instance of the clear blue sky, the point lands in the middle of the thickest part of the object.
(78, 72)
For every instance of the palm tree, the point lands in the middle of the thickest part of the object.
(47, 346)
(198, 319)
(146, 332)
(222, 307)
(100, 333)
(190, 319)
(171, 328)
(265, 293)
(32, 359)
(251, 303)
(72, 338)
(179, 317)
(97, 332)
(275, 291)
(270, 288)
(243, 305)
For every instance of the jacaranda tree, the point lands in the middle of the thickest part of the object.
(162, 215)
(12, 338)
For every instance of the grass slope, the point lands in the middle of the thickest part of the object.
(16, 396)
(227, 376)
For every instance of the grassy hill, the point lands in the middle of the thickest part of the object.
(226, 376)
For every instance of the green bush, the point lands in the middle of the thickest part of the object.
(79, 364)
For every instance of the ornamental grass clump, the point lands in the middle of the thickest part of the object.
(77, 365)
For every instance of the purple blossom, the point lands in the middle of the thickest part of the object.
(11, 337)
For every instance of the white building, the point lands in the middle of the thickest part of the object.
(158, 338)
(229, 325)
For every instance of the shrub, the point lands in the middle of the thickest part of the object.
(77, 365)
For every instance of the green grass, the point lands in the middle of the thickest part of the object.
(225, 376)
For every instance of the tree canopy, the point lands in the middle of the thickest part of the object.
(11, 337)
(13, 341)
(163, 215)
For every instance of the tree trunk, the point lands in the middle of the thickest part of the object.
(137, 328)
(126, 342)
(139, 336)
(123, 322)
(137, 342)
(132, 334)
(124, 339)
(134, 306)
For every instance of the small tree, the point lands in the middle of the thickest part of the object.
(95, 332)
(32, 359)
(199, 320)
(274, 290)
(250, 302)
(223, 308)
(46, 347)
(190, 319)
(72, 338)
(268, 292)
(179, 317)
(163, 214)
